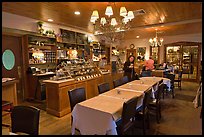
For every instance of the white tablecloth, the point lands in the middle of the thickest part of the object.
(88, 120)
(165, 80)
(97, 115)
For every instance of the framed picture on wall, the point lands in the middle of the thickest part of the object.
(141, 51)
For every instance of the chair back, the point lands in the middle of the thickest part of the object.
(172, 78)
(117, 83)
(180, 73)
(25, 119)
(159, 92)
(161, 81)
(124, 79)
(128, 113)
(146, 74)
(146, 101)
(103, 87)
(76, 95)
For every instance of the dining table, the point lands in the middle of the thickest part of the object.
(98, 115)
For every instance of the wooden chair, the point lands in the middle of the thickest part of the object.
(25, 119)
(142, 113)
(146, 74)
(124, 80)
(117, 83)
(178, 80)
(103, 87)
(155, 104)
(128, 113)
(7, 106)
(76, 95)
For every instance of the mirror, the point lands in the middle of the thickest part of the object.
(8, 59)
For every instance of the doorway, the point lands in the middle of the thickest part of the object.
(14, 43)
(185, 56)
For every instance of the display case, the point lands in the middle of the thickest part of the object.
(185, 56)
(173, 56)
(77, 69)
(72, 46)
(39, 61)
(41, 49)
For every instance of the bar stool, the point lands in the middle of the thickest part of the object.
(7, 106)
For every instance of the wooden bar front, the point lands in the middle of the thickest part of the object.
(57, 98)
(9, 92)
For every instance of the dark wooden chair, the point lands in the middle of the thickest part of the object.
(7, 107)
(146, 74)
(128, 113)
(142, 113)
(117, 83)
(172, 78)
(124, 80)
(179, 79)
(155, 104)
(103, 87)
(25, 119)
(76, 95)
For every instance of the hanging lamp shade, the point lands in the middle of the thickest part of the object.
(103, 20)
(130, 15)
(125, 20)
(123, 11)
(150, 40)
(109, 11)
(113, 22)
(93, 20)
(94, 15)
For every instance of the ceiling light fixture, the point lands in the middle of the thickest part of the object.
(156, 42)
(77, 13)
(50, 20)
(111, 24)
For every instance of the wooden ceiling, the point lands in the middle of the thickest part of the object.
(175, 17)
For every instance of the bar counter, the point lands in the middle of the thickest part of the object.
(9, 91)
(57, 91)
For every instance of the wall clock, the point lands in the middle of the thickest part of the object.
(132, 46)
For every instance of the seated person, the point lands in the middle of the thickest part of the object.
(149, 64)
(148, 67)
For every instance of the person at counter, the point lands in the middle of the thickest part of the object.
(102, 62)
(129, 68)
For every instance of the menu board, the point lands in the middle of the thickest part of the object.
(68, 36)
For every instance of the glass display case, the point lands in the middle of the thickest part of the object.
(185, 56)
(173, 56)
(79, 69)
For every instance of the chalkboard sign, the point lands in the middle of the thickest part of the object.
(68, 36)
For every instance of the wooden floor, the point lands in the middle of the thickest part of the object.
(179, 117)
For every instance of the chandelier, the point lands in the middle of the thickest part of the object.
(155, 42)
(112, 25)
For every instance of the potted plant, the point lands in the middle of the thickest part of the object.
(40, 28)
